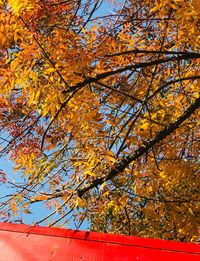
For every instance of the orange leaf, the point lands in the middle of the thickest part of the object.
(40, 198)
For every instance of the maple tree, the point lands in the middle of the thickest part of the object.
(100, 113)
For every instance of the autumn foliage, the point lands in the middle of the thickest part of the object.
(99, 110)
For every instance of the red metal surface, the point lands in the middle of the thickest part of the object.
(20, 243)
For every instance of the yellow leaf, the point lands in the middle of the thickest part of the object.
(37, 95)
(18, 5)
(79, 202)
(40, 198)
(110, 122)
(25, 204)
(150, 189)
(17, 167)
(14, 207)
(26, 211)
(145, 125)
(102, 185)
(45, 110)
(190, 210)
(110, 160)
(88, 173)
(49, 70)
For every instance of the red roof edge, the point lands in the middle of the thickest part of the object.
(102, 237)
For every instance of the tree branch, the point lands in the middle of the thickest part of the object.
(89, 80)
(138, 51)
(145, 148)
